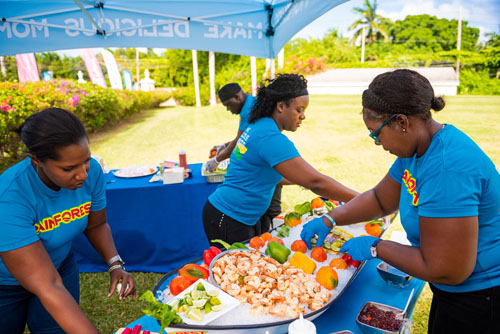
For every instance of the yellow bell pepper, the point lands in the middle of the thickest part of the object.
(301, 261)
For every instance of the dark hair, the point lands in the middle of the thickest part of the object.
(45, 132)
(401, 92)
(228, 91)
(282, 88)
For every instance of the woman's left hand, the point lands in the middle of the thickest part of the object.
(359, 248)
(126, 287)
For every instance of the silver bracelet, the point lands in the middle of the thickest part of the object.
(116, 266)
(114, 259)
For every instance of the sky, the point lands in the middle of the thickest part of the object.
(482, 14)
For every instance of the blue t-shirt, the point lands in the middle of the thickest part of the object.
(245, 112)
(454, 178)
(251, 178)
(31, 211)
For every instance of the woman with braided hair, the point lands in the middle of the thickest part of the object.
(263, 158)
(448, 193)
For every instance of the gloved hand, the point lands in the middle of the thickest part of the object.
(359, 248)
(211, 165)
(315, 226)
(215, 150)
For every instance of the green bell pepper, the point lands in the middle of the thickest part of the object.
(278, 252)
(236, 245)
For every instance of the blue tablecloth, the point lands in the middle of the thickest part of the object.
(156, 227)
(367, 286)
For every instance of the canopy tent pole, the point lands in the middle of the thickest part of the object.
(211, 74)
(137, 66)
(281, 59)
(98, 27)
(273, 69)
(253, 70)
(196, 78)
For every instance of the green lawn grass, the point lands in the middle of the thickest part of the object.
(333, 139)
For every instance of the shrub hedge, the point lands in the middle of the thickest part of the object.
(94, 105)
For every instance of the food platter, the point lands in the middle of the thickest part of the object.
(274, 327)
(135, 171)
(253, 285)
(270, 324)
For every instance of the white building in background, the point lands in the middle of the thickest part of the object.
(353, 81)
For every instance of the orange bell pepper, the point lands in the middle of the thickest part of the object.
(293, 219)
(373, 229)
(193, 272)
(327, 277)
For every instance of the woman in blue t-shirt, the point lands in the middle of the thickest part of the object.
(263, 158)
(448, 193)
(46, 200)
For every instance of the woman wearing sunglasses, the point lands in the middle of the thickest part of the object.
(448, 193)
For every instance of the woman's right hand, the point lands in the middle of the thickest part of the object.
(315, 226)
(127, 287)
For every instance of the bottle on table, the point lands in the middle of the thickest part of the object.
(182, 158)
(302, 326)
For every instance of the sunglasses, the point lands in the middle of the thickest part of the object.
(374, 134)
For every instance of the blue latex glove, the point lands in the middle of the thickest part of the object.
(359, 248)
(315, 226)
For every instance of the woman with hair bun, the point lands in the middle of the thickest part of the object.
(46, 200)
(448, 193)
(263, 158)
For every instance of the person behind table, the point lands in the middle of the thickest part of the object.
(239, 103)
(46, 200)
(263, 158)
(448, 193)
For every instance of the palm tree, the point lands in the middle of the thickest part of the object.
(374, 25)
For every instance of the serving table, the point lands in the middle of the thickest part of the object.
(156, 227)
(367, 286)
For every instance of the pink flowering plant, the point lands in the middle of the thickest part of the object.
(94, 105)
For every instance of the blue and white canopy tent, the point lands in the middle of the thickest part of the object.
(258, 28)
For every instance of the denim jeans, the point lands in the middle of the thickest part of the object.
(19, 307)
(219, 226)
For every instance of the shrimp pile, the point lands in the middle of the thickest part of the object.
(269, 287)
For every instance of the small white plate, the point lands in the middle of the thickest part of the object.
(227, 300)
(135, 171)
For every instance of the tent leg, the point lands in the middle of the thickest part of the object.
(281, 59)
(253, 70)
(211, 73)
(273, 69)
(196, 78)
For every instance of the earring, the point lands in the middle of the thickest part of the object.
(404, 130)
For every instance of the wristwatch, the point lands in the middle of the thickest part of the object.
(373, 248)
(114, 259)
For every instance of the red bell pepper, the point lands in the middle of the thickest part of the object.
(193, 272)
(209, 254)
(350, 262)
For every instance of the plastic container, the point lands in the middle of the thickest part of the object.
(367, 329)
(173, 175)
(302, 326)
(182, 158)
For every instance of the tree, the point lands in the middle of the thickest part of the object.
(425, 32)
(376, 26)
